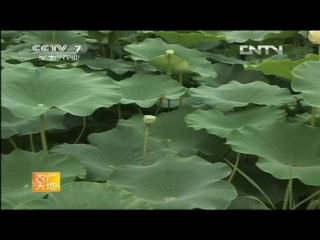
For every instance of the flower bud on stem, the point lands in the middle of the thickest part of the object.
(148, 119)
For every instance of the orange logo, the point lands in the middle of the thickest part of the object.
(46, 181)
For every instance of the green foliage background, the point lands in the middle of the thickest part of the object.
(231, 131)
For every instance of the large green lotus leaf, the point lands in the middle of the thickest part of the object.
(29, 93)
(281, 153)
(17, 168)
(178, 183)
(171, 128)
(98, 35)
(274, 188)
(9, 35)
(179, 64)
(221, 124)
(247, 203)
(62, 66)
(85, 195)
(53, 37)
(281, 68)
(227, 74)
(307, 81)
(145, 90)
(244, 36)
(224, 59)
(6, 65)
(22, 56)
(109, 150)
(20, 46)
(187, 38)
(6, 204)
(118, 66)
(12, 125)
(184, 60)
(235, 94)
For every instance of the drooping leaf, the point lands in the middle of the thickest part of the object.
(281, 153)
(227, 74)
(235, 94)
(307, 81)
(282, 68)
(145, 90)
(221, 124)
(184, 60)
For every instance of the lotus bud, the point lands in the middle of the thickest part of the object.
(149, 119)
(314, 36)
(169, 52)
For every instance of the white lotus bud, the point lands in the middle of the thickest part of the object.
(149, 119)
(314, 36)
(170, 52)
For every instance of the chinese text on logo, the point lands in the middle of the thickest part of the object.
(46, 181)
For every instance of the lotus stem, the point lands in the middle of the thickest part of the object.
(297, 48)
(313, 117)
(288, 197)
(43, 133)
(103, 50)
(135, 66)
(119, 111)
(306, 45)
(148, 119)
(31, 142)
(139, 110)
(235, 167)
(287, 203)
(306, 200)
(168, 54)
(14, 145)
(135, 61)
(111, 53)
(169, 105)
(84, 123)
(180, 80)
(225, 48)
(145, 145)
(169, 67)
(159, 106)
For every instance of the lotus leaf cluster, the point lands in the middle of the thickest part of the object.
(160, 120)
